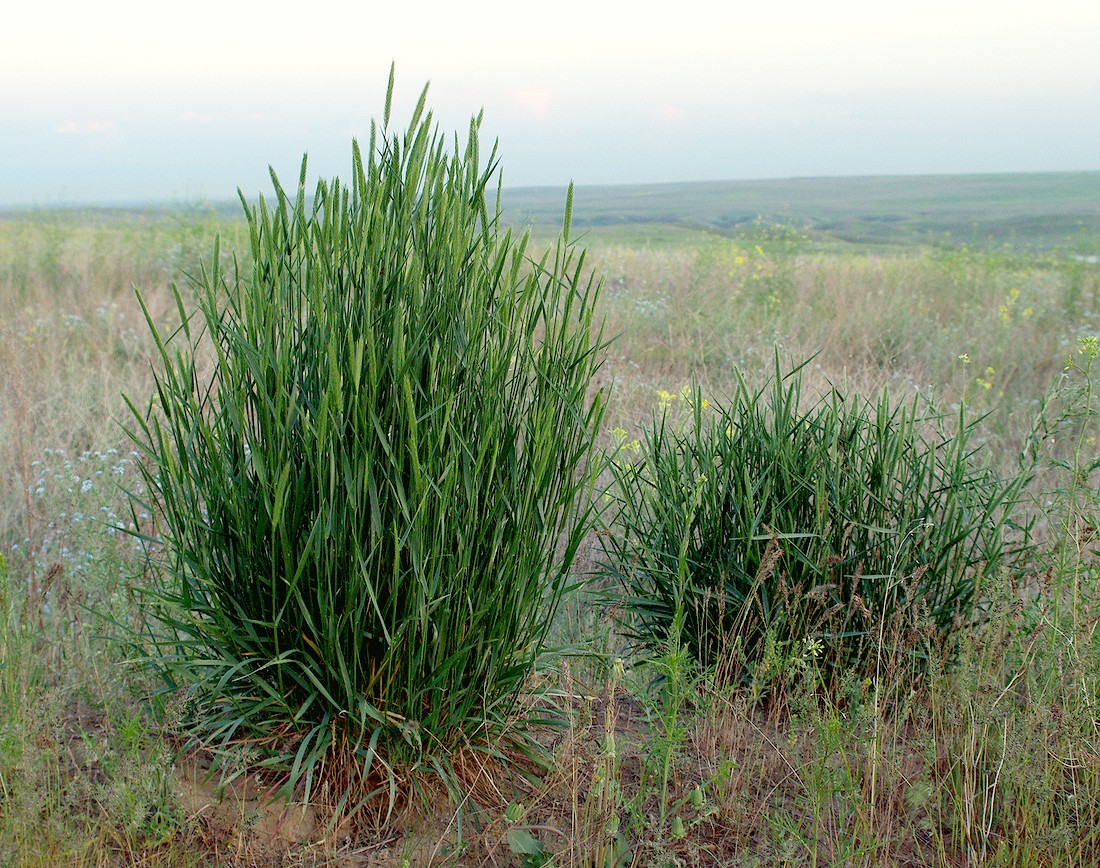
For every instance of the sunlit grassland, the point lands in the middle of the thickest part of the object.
(994, 762)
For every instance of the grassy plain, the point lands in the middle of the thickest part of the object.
(971, 292)
(1037, 211)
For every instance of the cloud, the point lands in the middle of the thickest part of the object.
(86, 128)
(670, 114)
(534, 101)
(193, 117)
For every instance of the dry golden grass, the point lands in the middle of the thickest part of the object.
(993, 761)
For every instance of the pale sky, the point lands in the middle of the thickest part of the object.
(118, 100)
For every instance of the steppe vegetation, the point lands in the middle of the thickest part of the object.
(906, 673)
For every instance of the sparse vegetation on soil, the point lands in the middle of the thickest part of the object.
(652, 753)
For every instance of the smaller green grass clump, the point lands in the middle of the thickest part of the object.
(773, 528)
(369, 458)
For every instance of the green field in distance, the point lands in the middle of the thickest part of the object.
(1027, 210)
(1038, 211)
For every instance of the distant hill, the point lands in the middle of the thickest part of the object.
(1030, 210)
(1033, 211)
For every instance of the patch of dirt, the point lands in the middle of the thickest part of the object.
(241, 816)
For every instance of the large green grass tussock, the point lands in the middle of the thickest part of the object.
(370, 455)
(776, 521)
